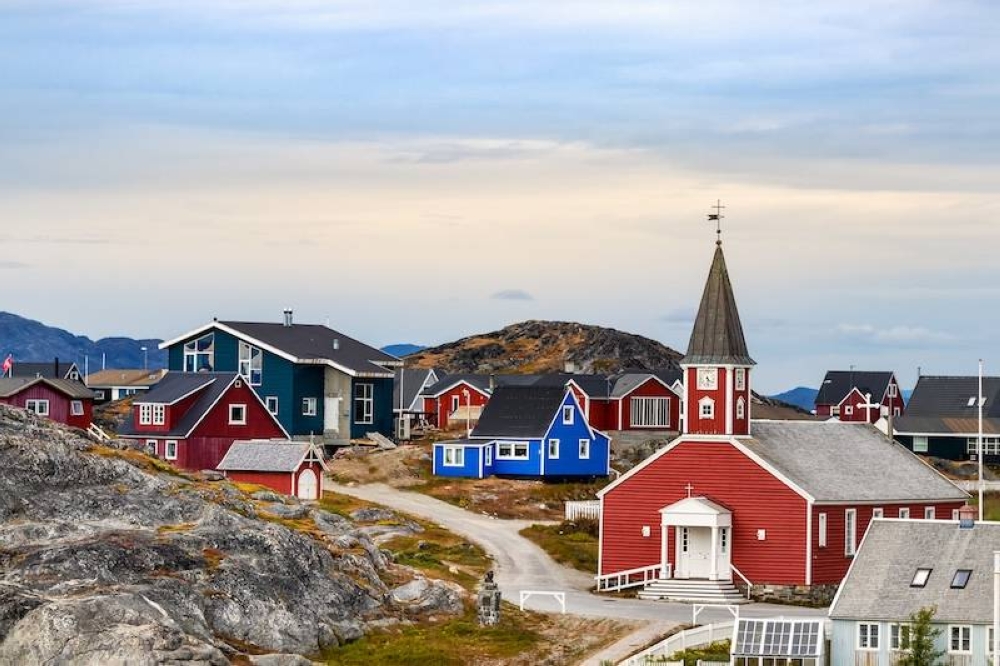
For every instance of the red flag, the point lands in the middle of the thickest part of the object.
(8, 364)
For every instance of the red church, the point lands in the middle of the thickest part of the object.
(192, 418)
(772, 509)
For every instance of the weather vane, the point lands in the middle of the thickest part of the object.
(717, 218)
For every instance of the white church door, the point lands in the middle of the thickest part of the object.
(694, 552)
(308, 486)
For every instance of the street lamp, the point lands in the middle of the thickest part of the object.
(145, 357)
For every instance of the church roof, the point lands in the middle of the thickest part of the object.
(718, 334)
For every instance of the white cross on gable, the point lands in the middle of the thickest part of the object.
(689, 488)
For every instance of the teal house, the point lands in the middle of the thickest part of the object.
(315, 380)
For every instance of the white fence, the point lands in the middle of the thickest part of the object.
(703, 635)
(583, 509)
(973, 486)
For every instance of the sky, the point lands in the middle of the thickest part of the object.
(418, 172)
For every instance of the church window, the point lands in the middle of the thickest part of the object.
(706, 408)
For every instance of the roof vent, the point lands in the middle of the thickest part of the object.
(966, 517)
(288, 316)
(336, 344)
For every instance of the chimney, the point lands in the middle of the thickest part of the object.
(288, 316)
(55, 368)
(336, 344)
(967, 517)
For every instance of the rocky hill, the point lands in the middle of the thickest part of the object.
(30, 340)
(547, 346)
(110, 557)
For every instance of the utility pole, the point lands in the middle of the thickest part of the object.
(979, 447)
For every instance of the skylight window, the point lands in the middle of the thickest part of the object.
(972, 402)
(961, 579)
(920, 578)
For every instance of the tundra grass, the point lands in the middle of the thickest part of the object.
(574, 544)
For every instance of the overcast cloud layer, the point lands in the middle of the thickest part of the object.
(416, 172)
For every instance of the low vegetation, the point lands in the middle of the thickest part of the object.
(718, 651)
(441, 554)
(573, 543)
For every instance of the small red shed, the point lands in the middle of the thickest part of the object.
(63, 400)
(292, 468)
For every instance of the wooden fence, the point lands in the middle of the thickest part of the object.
(583, 509)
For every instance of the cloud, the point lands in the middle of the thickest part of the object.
(512, 295)
(894, 335)
(679, 316)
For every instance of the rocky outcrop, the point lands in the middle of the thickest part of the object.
(102, 562)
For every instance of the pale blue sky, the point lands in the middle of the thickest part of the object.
(416, 172)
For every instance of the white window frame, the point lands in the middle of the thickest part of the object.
(554, 449)
(741, 408)
(835, 410)
(238, 421)
(867, 636)
(364, 403)
(964, 635)
(512, 451)
(192, 354)
(892, 390)
(251, 365)
(649, 412)
(159, 413)
(39, 406)
(167, 446)
(878, 512)
(706, 408)
(271, 402)
(453, 456)
(956, 514)
(848, 410)
(488, 455)
(904, 513)
(454, 403)
(928, 513)
(850, 532)
(584, 448)
(76, 407)
(899, 640)
(308, 406)
(145, 414)
(741, 379)
(151, 443)
(99, 394)
(821, 529)
(919, 444)
(567, 414)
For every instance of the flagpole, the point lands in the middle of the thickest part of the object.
(979, 399)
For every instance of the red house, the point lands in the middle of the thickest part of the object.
(859, 396)
(777, 507)
(192, 418)
(292, 468)
(447, 402)
(64, 400)
(629, 400)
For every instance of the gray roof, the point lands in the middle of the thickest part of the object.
(45, 369)
(847, 462)
(176, 385)
(264, 456)
(953, 425)
(629, 381)
(878, 585)
(949, 397)
(315, 342)
(717, 336)
(519, 412)
(838, 383)
(70, 387)
(412, 380)
(209, 387)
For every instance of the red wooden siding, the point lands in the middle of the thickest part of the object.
(278, 481)
(725, 475)
(442, 405)
(650, 388)
(60, 409)
(742, 426)
(696, 424)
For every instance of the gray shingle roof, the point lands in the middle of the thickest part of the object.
(209, 386)
(878, 584)
(315, 342)
(519, 411)
(949, 396)
(838, 383)
(72, 388)
(847, 462)
(264, 456)
(45, 369)
(717, 336)
(412, 380)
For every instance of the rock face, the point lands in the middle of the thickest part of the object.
(104, 563)
(547, 346)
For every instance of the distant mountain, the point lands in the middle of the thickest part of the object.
(800, 396)
(30, 340)
(548, 346)
(403, 349)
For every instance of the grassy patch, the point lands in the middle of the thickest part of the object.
(510, 498)
(342, 505)
(574, 544)
(441, 554)
(718, 651)
(143, 461)
(454, 642)
(179, 527)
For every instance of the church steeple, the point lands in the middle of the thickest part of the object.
(717, 364)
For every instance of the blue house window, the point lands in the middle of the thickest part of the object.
(454, 456)
(567, 415)
(272, 404)
(199, 354)
(554, 449)
(308, 406)
(364, 403)
(251, 363)
(512, 450)
(584, 449)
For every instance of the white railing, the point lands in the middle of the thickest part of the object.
(972, 486)
(703, 635)
(558, 596)
(98, 433)
(583, 509)
(743, 578)
(621, 580)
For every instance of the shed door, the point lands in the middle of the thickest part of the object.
(308, 487)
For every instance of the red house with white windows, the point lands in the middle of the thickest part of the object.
(192, 418)
(778, 507)
(292, 468)
(859, 396)
(448, 402)
(630, 400)
(65, 401)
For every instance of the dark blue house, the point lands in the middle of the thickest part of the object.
(529, 432)
(315, 380)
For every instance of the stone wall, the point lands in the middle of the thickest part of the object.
(804, 595)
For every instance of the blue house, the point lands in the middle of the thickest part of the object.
(315, 380)
(529, 432)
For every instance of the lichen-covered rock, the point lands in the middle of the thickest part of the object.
(429, 596)
(102, 562)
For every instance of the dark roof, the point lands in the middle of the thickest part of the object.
(519, 411)
(412, 380)
(45, 369)
(949, 397)
(950, 425)
(266, 456)
(481, 382)
(315, 342)
(210, 386)
(124, 377)
(878, 585)
(838, 383)
(70, 387)
(620, 384)
(595, 386)
(718, 334)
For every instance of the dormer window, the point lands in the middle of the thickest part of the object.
(199, 354)
(961, 579)
(706, 408)
(920, 578)
(152, 414)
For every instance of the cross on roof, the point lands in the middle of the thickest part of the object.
(689, 488)
(717, 217)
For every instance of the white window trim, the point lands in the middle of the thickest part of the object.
(928, 513)
(821, 529)
(553, 449)
(741, 379)
(567, 414)
(166, 449)
(513, 448)
(704, 413)
(835, 410)
(741, 408)
(454, 402)
(195, 355)
(271, 400)
(364, 397)
(487, 455)
(878, 512)
(896, 636)
(920, 444)
(245, 362)
(76, 407)
(457, 454)
(850, 532)
(308, 406)
(877, 635)
(965, 629)
(151, 442)
(145, 415)
(232, 419)
(904, 512)
(584, 449)
(159, 413)
(39, 406)
(649, 412)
